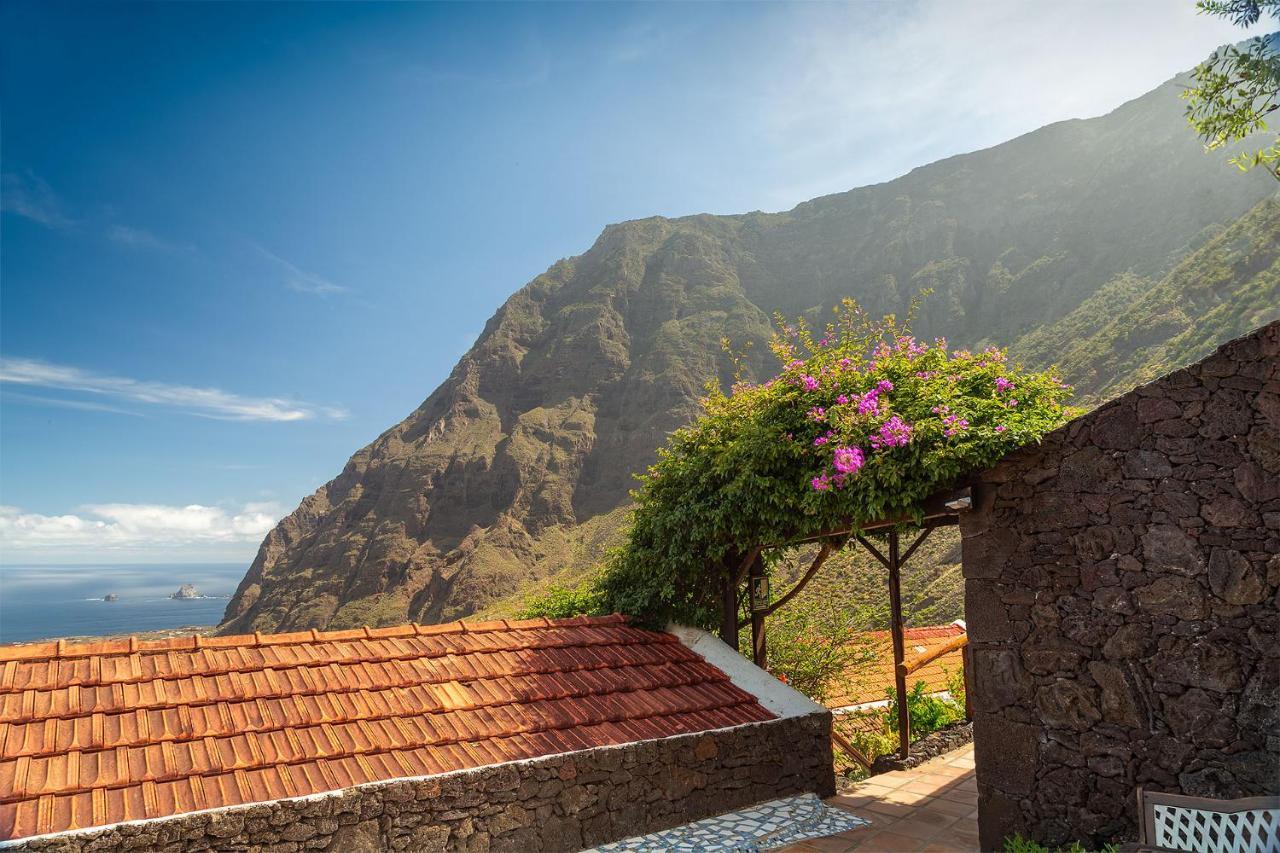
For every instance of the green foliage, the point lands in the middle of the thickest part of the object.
(812, 645)
(955, 687)
(560, 602)
(927, 713)
(862, 423)
(1018, 844)
(1236, 88)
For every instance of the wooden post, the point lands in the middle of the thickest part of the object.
(899, 644)
(729, 608)
(758, 652)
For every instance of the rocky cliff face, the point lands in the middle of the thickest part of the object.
(517, 468)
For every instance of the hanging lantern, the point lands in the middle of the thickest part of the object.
(760, 592)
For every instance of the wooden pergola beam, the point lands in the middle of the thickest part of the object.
(938, 510)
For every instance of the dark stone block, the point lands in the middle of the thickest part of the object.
(1168, 548)
(1067, 704)
(998, 679)
(1115, 427)
(1174, 596)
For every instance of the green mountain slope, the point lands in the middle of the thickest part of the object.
(516, 470)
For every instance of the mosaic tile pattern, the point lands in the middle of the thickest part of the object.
(763, 827)
(97, 733)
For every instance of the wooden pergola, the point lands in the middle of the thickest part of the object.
(941, 509)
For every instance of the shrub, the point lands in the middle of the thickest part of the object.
(863, 422)
(926, 713)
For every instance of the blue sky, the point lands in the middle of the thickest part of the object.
(241, 240)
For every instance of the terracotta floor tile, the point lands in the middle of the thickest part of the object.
(908, 798)
(927, 787)
(942, 805)
(893, 778)
(892, 842)
(944, 847)
(967, 797)
(891, 809)
(932, 817)
(830, 844)
(849, 802)
(916, 828)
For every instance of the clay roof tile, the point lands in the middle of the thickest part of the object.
(94, 733)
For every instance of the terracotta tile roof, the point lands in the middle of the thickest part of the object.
(98, 733)
(868, 680)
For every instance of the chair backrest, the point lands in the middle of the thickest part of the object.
(1204, 825)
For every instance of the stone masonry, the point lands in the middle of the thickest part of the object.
(557, 803)
(1121, 589)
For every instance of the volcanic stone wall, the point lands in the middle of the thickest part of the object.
(1121, 596)
(558, 803)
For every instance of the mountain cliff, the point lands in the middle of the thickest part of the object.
(1113, 246)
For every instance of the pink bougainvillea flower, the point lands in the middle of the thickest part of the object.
(1000, 427)
(847, 460)
(809, 383)
(821, 484)
(894, 432)
(1003, 384)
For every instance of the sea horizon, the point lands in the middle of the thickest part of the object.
(43, 601)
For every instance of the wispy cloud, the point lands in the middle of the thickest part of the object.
(141, 238)
(300, 280)
(856, 93)
(202, 402)
(28, 196)
(63, 403)
(134, 527)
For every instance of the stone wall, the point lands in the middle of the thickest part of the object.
(1121, 596)
(558, 803)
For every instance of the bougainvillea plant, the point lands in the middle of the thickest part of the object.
(862, 423)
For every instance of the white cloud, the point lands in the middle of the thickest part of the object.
(26, 195)
(137, 529)
(141, 238)
(859, 93)
(202, 402)
(298, 279)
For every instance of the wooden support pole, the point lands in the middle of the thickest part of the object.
(899, 644)
(759, 654)
(729, 609)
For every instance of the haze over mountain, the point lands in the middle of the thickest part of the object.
(1112, 246)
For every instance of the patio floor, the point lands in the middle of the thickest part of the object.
(932, 808)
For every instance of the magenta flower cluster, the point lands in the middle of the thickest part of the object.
(894, 432)
(847, 460)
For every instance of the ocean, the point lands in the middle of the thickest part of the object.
(37, 602)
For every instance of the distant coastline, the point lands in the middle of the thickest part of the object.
(70, 601)
(163, 634)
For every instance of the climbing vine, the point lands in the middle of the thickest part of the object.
(861, 423)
